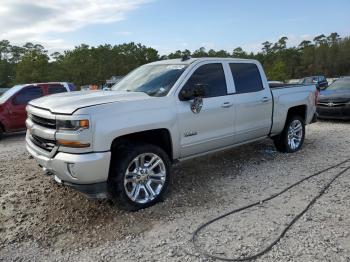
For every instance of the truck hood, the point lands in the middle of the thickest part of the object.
(334, 96)
(68, 103)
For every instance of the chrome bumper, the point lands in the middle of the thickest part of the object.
(84, 168)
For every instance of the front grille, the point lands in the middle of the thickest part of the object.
(45, 122)
(331, 104)
(43, 143)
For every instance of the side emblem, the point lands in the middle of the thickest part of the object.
(190, 133)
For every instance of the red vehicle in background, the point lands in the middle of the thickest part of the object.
(14, 101)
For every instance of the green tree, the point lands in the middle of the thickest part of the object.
(277, 71)
(239, 53)
(32, 68)
(329, 55)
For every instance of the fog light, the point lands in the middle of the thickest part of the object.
(70, 168)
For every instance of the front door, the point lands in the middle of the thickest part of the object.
(211, 126)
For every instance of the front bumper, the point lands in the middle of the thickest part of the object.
(86, 172)
(96, 190)
(339, 112)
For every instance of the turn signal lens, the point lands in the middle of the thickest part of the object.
(74, 144)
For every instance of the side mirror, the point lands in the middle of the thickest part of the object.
(198, 90)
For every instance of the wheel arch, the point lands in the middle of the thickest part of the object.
(300, 110)
(159, 137)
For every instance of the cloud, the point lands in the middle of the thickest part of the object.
(27, 20)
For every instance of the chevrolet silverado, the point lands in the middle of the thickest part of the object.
(121, 143)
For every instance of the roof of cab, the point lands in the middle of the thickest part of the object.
(192, 60)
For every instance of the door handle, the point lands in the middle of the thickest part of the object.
(265, 99)
(227, 104)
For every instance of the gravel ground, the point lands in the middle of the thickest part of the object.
(43, 221)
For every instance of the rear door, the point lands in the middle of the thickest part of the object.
(18, 105)
(212, 126)
(253, 102)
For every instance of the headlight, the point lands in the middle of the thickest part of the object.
(72, 125)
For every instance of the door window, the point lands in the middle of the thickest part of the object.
(246, 77)
(27, 94)
(211, 77)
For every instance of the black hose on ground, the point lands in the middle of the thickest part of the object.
(270, 246)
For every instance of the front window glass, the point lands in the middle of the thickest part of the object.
(154, 80)
(211, 77)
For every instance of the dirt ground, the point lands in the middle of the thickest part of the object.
(43, 221)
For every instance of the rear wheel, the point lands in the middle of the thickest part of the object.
(139, 176)
(292, 137)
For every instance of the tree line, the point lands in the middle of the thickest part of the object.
(328, 55)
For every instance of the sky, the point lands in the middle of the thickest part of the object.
(170, 25)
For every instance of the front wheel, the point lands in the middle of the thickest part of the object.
(139, 176)
(292, 137)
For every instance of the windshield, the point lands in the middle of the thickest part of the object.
(9, 93)
(341, 84)
(154, 80)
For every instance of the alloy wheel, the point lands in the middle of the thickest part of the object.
(145, 178)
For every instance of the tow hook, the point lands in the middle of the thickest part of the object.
(46, 171)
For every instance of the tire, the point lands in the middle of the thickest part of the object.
(125, 180)
(291, 140)
(1, 132)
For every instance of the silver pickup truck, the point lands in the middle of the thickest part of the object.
(121, 143)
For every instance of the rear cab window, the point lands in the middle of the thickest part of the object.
(246, 77)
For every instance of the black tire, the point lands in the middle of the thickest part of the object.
(281, 141)
(121, 160)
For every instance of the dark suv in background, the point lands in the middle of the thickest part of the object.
(320, 81)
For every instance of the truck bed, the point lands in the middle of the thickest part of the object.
(290, 95)
(274, 86)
